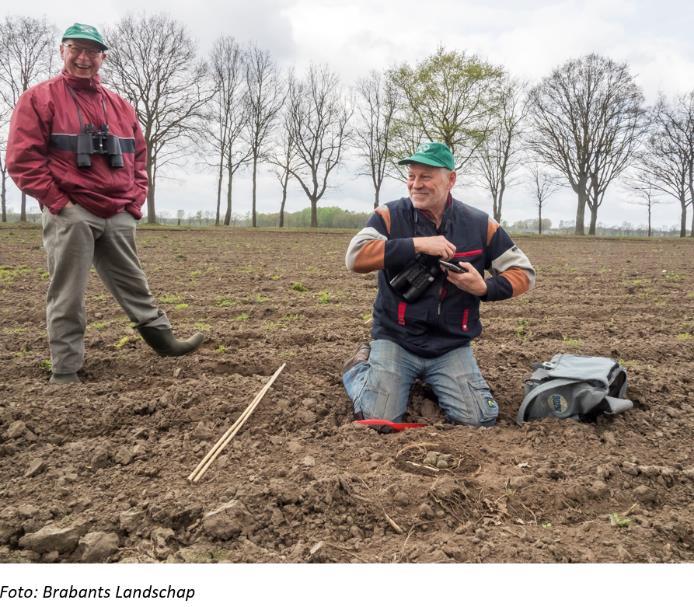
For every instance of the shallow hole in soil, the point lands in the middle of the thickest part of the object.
(431, 459)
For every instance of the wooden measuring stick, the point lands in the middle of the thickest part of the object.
(213, 453)
(196, 475)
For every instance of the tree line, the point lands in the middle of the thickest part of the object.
(583, 126)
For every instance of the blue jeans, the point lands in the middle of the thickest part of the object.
(380, 388)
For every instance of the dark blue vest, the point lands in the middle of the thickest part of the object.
(445, 317)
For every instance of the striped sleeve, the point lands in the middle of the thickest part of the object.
(512, 274)
(373, 249)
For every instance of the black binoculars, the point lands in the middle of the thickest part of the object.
(416, 278)
(98, 141)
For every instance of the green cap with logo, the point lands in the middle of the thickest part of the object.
(432, 154)
(81, 31)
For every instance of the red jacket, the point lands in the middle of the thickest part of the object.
(41, 148)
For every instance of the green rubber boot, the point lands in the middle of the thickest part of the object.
(163, 342)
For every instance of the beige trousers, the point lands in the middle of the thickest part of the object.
(74, 240)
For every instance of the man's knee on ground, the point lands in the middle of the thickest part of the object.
(460, 420)
(375, 403)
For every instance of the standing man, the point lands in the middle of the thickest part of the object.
(78, 149)
(426, 315)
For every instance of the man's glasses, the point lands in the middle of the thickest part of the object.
(76, 50)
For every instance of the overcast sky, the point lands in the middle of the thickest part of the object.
(353, 37)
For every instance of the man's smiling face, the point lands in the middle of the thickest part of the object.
(81, 58)
(429, 186)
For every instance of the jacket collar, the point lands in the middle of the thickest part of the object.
(82, 84)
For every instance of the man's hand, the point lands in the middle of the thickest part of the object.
(437, 246)
(470, 281)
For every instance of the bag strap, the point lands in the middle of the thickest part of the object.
(617, 405)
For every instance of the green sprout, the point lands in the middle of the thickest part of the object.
(225, 302)
(617, 520)
(121, 342)
(522, 328)
(297, 286)
(170, 299)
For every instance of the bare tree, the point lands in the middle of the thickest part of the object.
(265, 98)
(228, 116)
(665, 162)
(586, 116)
(3, 177)
(376, 108)
(153, 63)
(284, 156)
(620, 127)
(448, 97)
(318, 124)
(638, 181)
(684, 108)
(236, 156)
(499, 154)
(27, 52)
(284, 163)
(544, 184)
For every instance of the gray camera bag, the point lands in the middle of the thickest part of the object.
(576, 387)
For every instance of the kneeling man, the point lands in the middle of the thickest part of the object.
(426, 313)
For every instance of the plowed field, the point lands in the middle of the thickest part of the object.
(97, 472)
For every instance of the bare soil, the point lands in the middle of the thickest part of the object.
(97, 472)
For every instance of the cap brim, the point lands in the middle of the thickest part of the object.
(103, 47)
(417, 159)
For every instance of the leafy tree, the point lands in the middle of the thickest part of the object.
(448, 97)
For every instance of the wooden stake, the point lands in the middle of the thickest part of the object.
(213, 453)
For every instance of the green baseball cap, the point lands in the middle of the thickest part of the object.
(80, 31)
(432, 154)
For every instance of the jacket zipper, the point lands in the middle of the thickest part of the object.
(466, 314)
